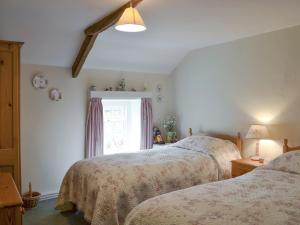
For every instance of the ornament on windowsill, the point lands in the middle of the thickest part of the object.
(170, 126)
(121, 86)
(92, 88)
(108, 89)
(146, 85)
(157, 137)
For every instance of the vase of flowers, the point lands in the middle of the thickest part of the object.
(170, 127)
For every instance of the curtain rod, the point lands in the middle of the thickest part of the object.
(120, 94)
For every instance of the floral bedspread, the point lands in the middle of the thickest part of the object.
(107, 188)
(262, 197)
(223, 152)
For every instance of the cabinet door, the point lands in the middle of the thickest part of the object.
(7, 216)
(9, 111)
(6, 100)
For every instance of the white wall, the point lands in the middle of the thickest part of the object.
(227, 87)
(52, 133)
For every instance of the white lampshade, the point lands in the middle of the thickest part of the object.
(258, 132)
(131, 21)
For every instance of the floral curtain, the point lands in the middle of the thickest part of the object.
(94, 129)
(146, 123)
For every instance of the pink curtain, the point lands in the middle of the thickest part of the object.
(146, 123)
(94, 129)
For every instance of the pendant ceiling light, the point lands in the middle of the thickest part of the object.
(131, 21)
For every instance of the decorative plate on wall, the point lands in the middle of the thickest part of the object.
(55, 94)
(39, 81)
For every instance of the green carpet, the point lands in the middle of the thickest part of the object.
(45, 214)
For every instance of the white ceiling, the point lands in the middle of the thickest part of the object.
(53, 29)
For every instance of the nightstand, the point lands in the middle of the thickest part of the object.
(242, 166)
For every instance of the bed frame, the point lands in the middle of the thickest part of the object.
(287, 148)
(237, 140)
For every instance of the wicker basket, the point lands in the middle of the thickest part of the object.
(31, 199)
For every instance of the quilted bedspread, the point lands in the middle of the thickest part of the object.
(107, 188)
(266, 196)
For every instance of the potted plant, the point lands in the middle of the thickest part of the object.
(170, 127)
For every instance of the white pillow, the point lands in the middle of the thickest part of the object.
(288, 162)
(200, 143)
(207, 144)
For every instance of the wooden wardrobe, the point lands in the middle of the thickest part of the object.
(10, 111)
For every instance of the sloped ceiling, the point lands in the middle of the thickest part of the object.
(53, 30)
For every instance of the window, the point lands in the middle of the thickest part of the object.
(122, 126)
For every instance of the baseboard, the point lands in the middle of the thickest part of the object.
(48, 196)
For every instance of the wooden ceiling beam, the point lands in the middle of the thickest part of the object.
(91, 34)
(109, 20)
(84, 51)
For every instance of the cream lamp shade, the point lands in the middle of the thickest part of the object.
(131, 21)
(258, 132)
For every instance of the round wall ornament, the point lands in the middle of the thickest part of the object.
(39, 81)
(55, 94)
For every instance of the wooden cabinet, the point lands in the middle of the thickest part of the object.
(10, 110)
(10, 201)
(242, 166)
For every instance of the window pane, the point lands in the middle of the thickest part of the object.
(122, 126)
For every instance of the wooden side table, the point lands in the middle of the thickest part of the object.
(242, 166)
(10, 201)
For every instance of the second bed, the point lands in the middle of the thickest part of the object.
(269, 195)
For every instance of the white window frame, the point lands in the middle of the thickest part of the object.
(128, 118)
(119, 95)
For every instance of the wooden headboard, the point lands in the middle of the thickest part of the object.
(286, 148)
(237, 140)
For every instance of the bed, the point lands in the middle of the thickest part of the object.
(269, 195)
(107, 188)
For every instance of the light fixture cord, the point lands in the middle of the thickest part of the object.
(133, 13)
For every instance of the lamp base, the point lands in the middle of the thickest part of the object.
(255, 158)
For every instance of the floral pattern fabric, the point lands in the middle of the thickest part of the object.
(288, 162)
(222, 151)
(262, 197)
(107, 188)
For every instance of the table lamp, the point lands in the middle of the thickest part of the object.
(257, 132)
